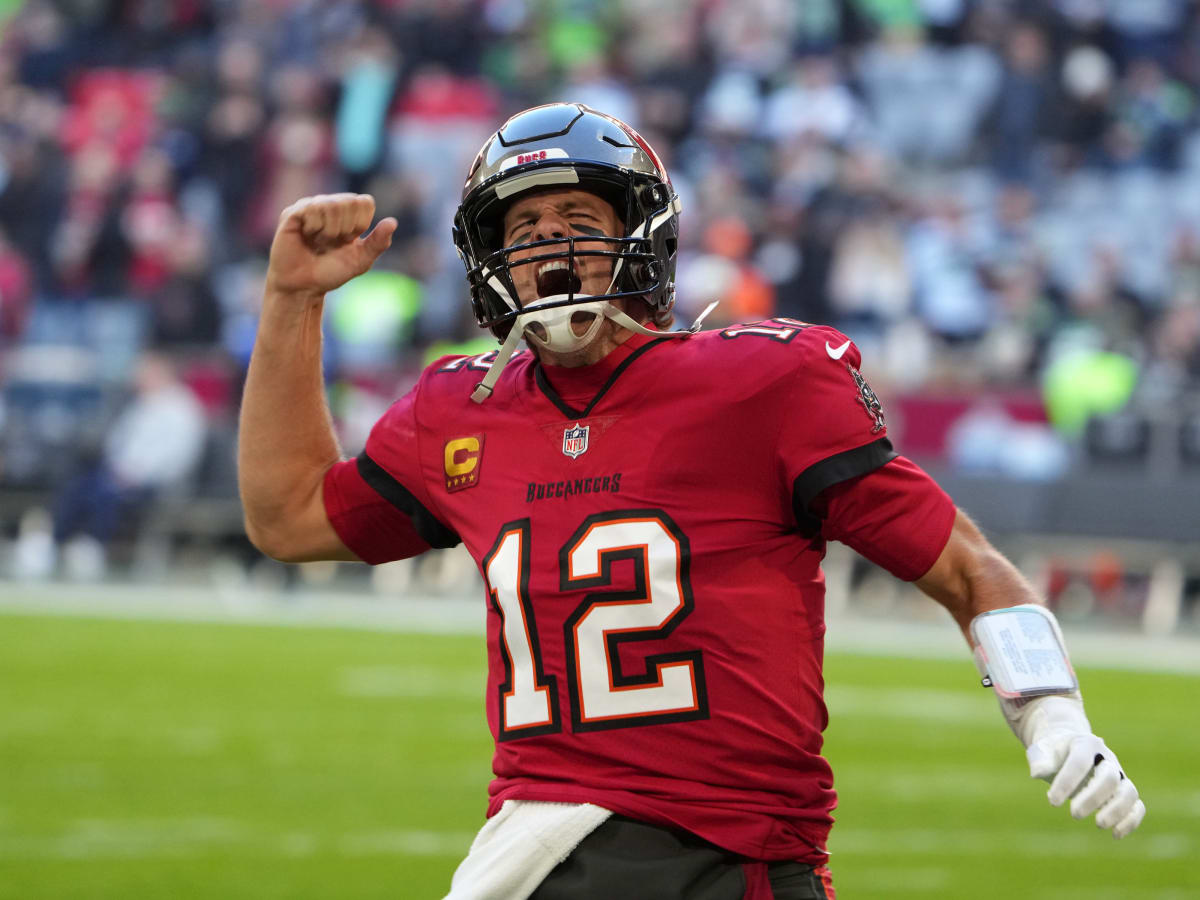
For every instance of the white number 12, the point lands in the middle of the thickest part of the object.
(670, 687)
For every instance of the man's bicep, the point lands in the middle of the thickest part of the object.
(896, 516)
(376, 517)
(306, 534)
(317, 539)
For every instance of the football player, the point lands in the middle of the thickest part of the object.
(649, 509)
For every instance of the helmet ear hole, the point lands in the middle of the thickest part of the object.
(655, 196)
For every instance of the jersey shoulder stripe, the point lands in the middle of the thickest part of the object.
(834, 470)
(431, 529)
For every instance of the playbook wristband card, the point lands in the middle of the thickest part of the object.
(1022, 653)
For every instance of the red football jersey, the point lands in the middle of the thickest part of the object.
(650, 531)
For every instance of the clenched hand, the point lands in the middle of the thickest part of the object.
(320, 243)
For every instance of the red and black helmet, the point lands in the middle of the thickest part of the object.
(572, 146)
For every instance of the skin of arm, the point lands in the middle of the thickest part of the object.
(971, 576)
(286, 441)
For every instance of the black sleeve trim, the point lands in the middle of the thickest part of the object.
(834, 470)
(431, 530)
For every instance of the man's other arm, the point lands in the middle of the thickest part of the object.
(899, 518)
(286, 440)
(971, 577)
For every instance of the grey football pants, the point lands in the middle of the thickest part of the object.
(631, 860)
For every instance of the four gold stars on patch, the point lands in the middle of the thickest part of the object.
(461, 481)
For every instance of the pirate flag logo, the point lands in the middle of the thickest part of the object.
(868, 399)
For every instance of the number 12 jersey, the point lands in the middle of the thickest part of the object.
(650, 531)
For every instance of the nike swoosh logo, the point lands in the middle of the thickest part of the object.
(836, 354)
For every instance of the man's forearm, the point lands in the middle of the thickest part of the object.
(287, 442)
(971, 577)
(994, 583)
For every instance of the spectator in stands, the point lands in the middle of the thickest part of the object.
(297, 148)
(812, 100)
(88, 251)
(869, 283)
(153, 445)
(233, 127)
(149, 221)
(1083, 107)
(950, 294)
(369, 72)
(184, 307)
(1023, 110)
(15, 287)
(33, 167)
(1152, 111)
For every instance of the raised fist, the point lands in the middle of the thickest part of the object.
(317, 245)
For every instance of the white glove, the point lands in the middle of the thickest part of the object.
(1061, 749)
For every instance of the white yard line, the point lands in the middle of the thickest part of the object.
(175, 838)
(939, 842)
(426, 614)
(422, 614)
(941, 639)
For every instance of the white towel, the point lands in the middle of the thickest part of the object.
(517, 848)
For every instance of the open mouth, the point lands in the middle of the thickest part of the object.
(557, 277)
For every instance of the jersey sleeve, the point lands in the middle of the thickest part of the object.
(896, 516)
(832, 426)
(378, 502)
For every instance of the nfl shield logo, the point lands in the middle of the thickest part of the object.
(575, 440)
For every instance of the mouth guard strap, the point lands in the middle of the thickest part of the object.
(483, 390)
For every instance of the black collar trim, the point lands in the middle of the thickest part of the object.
(571, 412)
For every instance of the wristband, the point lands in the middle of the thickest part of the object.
(1021, 653)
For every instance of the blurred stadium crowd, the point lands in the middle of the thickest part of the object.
(996, 199)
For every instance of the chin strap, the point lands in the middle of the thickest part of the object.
(484, 389)
(695, 326)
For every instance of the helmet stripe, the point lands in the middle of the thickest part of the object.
(518, 183)
(641, 141)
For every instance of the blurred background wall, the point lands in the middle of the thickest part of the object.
(998, 200)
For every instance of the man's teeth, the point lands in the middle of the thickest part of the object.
(551, 266)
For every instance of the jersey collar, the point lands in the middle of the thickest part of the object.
(576, 390)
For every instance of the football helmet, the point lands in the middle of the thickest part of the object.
(567, 145)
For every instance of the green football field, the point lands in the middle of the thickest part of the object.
(156, 759)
